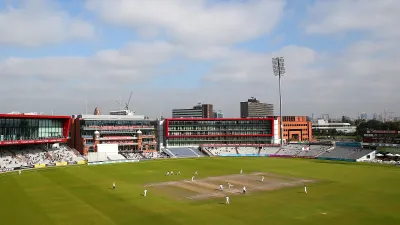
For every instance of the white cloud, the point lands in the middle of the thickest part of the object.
(361, 77)
(194, 21)
(378, 18)
(38, 22)
(135, 60)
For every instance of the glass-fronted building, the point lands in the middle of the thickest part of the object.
(31, 129)
(194, 132)
(132, 133)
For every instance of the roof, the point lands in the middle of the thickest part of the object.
(220, 119)
(113, 117)
(22, 116)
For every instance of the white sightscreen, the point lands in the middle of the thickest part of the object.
(107, 148)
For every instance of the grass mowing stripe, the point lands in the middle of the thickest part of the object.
(112, 204)
(14, 200)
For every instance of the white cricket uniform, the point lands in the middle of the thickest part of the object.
(221, 187)
(262, 179)
(193, 178)
(230, 185)
(179, 172)
(241, 171)
(145, 193)
(227, 200)
(113, 186)
(244, 190)
(19, 172)
(305, 189)
(167, 174)
(172, 172)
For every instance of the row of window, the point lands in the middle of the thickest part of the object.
(11, 134)
(220, 133)
(31, 123)
(294, 125)
(222, 139)
(219, 122)
(117, 122)
(221, 128)
(123, 132)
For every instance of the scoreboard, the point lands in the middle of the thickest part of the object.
(382, 138)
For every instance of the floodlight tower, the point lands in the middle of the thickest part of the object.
(278, 65)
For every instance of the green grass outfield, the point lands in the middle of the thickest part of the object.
(349, 193)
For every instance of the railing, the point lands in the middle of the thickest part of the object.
(117, 127)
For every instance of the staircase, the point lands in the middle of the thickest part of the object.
(237, 151)
(169, 153)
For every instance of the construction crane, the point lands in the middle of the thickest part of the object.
(126, 107)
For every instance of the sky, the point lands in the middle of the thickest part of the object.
(341, 56)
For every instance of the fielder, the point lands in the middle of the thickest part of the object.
(172, 172)
(113, 186)
(227, 200)
(305, 189)
(230, 185)
(241, 171)
(195, 173)
(145, 193)
(262, 178)
(221, 188)
(19, 172)
(192, 178)
(167, 174)
(179, 173)
(244, 190)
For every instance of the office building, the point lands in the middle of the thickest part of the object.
(197, 111)
(254, 108)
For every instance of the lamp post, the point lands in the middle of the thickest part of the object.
(278, 65)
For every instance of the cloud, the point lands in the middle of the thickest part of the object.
(39, 22)
(377, 18)
(133, 61)
(201, 36)
(194, 21)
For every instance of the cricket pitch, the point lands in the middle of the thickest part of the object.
(207, 188)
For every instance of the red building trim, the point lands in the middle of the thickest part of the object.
(26, 142)
(221, 135)
(19, 116)
(66, 126)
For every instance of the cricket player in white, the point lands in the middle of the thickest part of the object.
(172, 172)
(167, 174)
(179, 173)
(192, 178)
(241, 171)
(305, 189)
(227, 200)
(145, 193)
(221, 188)
(19, 172)
(195, 173)
(229, 185)
(262, 179)
(244, 190)
(113, 186)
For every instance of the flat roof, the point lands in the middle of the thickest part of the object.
(114, 117)
(23, 116)
(220, 119)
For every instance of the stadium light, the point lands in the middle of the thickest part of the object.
(278, 65)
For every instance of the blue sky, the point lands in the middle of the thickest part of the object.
(175, 53)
